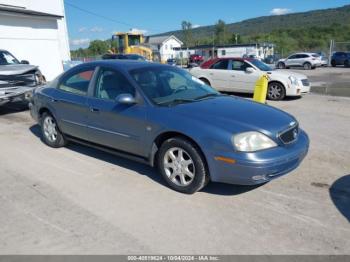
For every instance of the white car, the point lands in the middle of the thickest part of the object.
(305, 60)
(240, 75)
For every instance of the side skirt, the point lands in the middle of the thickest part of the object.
(112, 151)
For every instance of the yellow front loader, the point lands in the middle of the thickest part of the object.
(132, 43)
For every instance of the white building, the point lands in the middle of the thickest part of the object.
(260, 51)
(165, 45)
(35, 30)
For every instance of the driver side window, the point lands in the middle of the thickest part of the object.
(110, 84)
(238, 65)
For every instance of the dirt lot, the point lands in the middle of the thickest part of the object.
(82, 201)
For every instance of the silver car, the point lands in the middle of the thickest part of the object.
(305, 60)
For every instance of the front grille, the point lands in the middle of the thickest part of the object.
(290, 135)
(305, 82)
(18, 80)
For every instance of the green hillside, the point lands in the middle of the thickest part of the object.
(267, 24)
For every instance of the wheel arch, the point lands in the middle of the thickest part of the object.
(205, 79)
(162, 137)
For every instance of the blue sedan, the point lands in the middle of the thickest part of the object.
(163, 116)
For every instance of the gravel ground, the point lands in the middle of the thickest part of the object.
(77, 200)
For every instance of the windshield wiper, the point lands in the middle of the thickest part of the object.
(176, 102)
(208, 95)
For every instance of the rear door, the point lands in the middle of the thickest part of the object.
(70, 102)
(219, 74)
(111, 124)
(292, 60)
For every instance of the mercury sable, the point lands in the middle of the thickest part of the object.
(163, 116)
(241, 74)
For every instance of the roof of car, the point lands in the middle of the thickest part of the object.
(121, 64)
(210, 62)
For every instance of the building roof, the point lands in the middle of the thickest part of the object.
(224, 46)
(158, 40)
(23, 11)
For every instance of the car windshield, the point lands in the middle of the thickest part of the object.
(262, 66)
(166, 86)
(7, 59)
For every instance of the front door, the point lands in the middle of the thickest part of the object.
(111, 124)
(243, 80)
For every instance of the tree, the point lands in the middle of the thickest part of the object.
(98, 47)
(220, 32)
(187, 33)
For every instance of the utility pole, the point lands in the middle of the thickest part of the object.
(331, 45)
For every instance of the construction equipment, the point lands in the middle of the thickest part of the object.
(260, 90)
(132, 43)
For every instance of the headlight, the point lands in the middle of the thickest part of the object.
(293, 80)
(252, 141)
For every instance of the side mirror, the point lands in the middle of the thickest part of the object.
(25, 62)
(126, 99)
(249, 70)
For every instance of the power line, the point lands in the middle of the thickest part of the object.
(97, 15)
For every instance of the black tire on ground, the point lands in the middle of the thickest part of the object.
(346, 63)
(287, 67)
(205, 81)
(276, 91)
(281, 65)
(50, 133)
(307, 66)
(190, 152)
(314, 67)
(333, 63)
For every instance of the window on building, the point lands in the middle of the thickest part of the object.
(223, 52)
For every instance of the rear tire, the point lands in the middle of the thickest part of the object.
(276, 91)
(333, 63)
(205, 81)
(281, 65)
(346, 63)
(182, 165)
(51, 135)
(307, 66)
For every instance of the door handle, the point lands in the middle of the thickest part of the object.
(54, 100)
(94, 110)
(211, 74)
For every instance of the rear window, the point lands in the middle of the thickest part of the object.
(223, 65)
(78, 83)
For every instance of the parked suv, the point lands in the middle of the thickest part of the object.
(305, 60)
(340, 58)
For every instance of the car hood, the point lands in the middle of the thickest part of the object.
(237, 115)
(8, 70)
(285, 74)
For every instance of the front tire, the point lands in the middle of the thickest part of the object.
(276, 91)
(182, 165)
(346, 63)
(333, 63)
(51, 135)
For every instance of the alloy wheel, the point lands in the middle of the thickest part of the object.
(179, 166)
(50, 129)
(275, 91)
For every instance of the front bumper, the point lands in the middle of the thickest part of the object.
(14, 94)
(259, 167)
